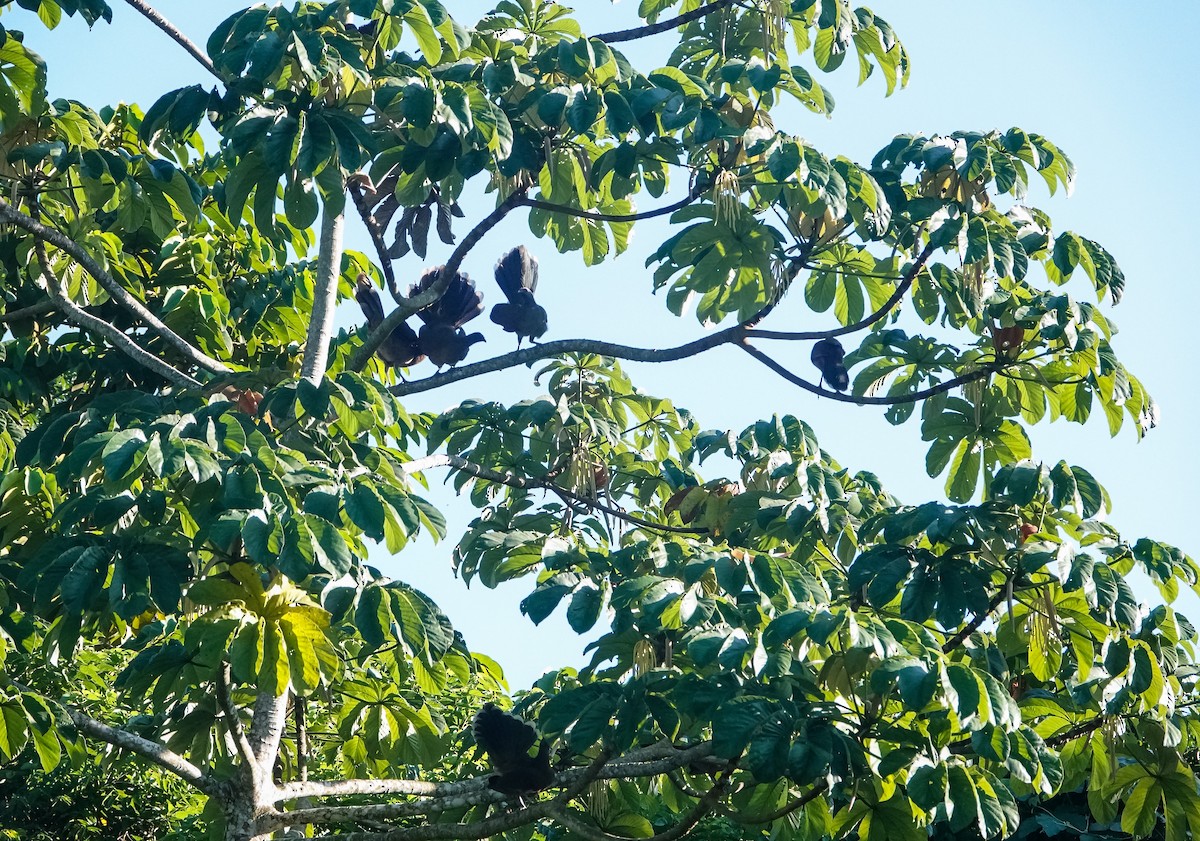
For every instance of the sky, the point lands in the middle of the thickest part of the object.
(1111, 84)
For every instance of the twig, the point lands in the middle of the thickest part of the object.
(978, 620)
(1076, 731)
(527, 483)
(118, 293)
(662, 26)
(155, 17)
(785, 810)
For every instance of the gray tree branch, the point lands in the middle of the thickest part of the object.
(77, 315)
(329, 270)
(663, 26)
(31, 311)
(155, 17)
(152, 751)
(115, 290)
(527, 483)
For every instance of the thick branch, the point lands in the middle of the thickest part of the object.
(225, 696)
(155, 17)
(384, 811)
(664, 25)
(329, 269)
(527, 483)
(152, 751)
(77, 315)
(502, 822)
(730, 335)
(115, 290)
(31, 311)
(408, 306)
(648, 762)
(266, 728)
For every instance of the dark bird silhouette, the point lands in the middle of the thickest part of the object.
(507, 740)
(517, 277)
(442, 337)
(402, 347)
(827, 355)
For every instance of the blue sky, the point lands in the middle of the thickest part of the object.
(1111, 84)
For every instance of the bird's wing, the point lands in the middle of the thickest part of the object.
(368, 299)
(516, 270)
(504, 737)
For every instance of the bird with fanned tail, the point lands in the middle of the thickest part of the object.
(517, 277)
(442, 338)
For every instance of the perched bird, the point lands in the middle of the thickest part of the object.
(508, 740)
(442, 337)
(517, 277)
(402, 347)
(827, 355)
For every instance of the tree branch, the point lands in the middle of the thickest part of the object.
(981, 617)
(115, 290)
(906, 282)
(453, 831)
(362, 355)
(1076, 731)
(646, 762)
(596, 216)
(329, 270)
(663, 26)
(266, 729)
(528, 483)
(372, 226)
(152, 751)
(783, 811)
(40, 308)
(911, 397)
(385, 811)
(155, 17)
(225, 697)
(548, 350)
(468, 793)
(730, 335)
(77, 315)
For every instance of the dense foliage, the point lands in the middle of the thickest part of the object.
(194, 467)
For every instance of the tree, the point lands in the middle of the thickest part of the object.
(194, 464)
